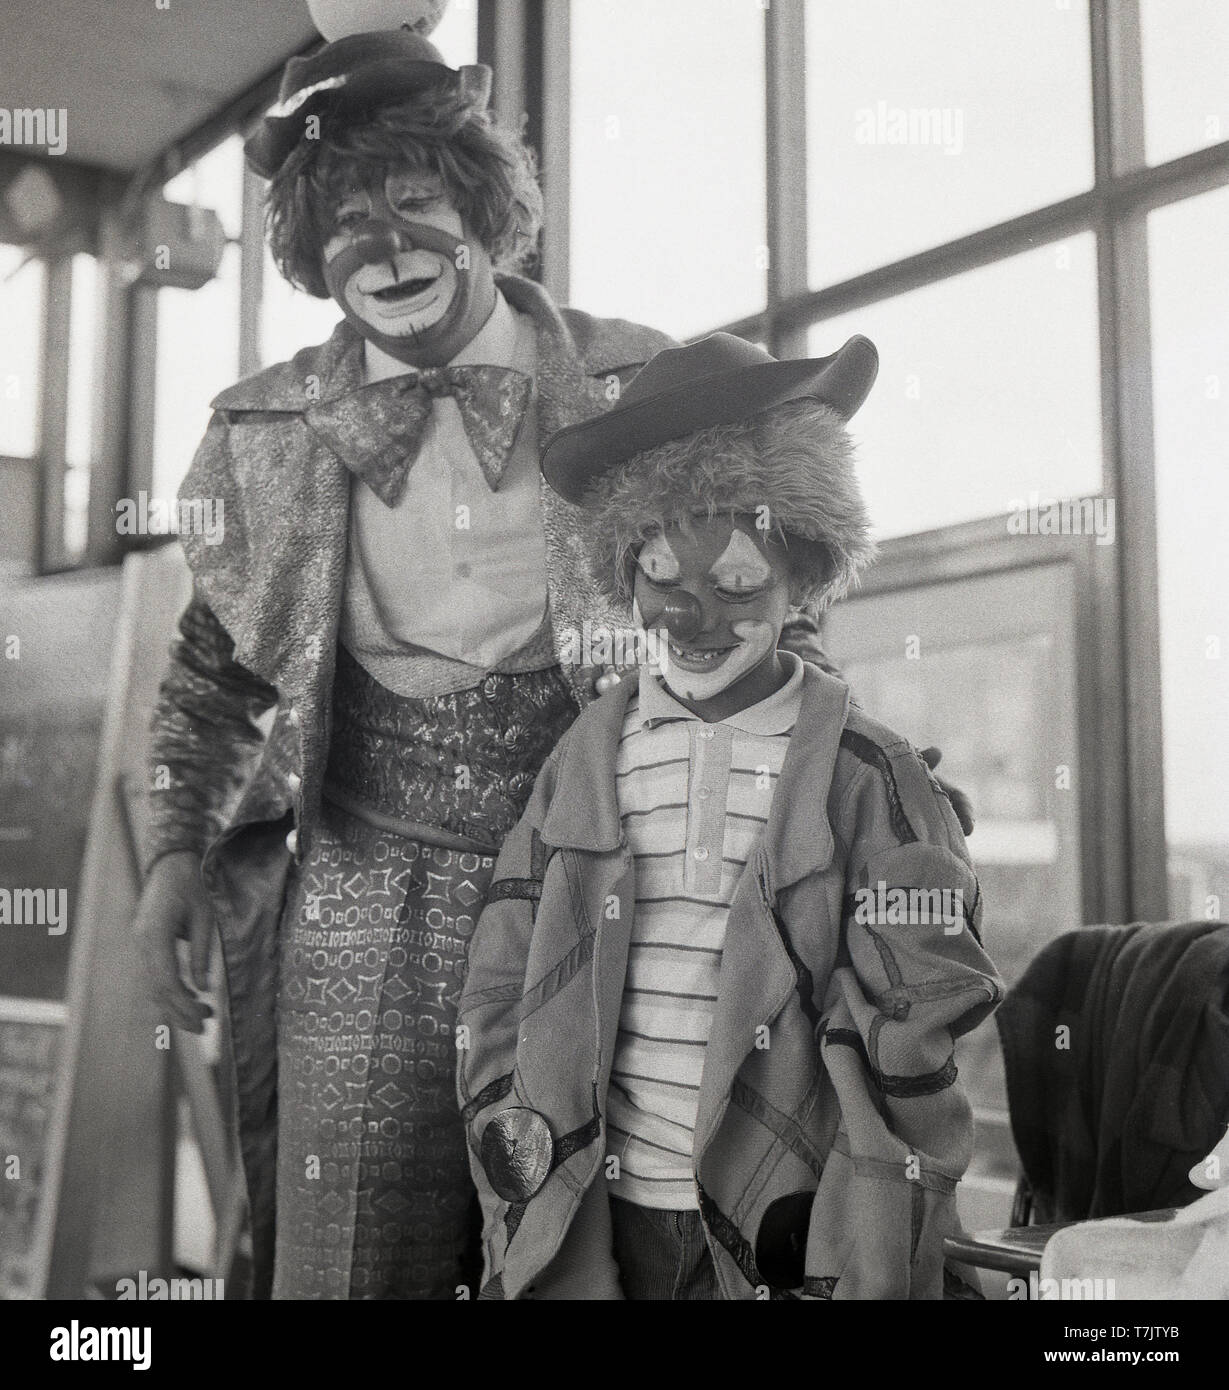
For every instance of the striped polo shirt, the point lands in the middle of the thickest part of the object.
(693, 799)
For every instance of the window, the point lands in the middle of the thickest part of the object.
(198, 330)
(1186, 75)
(457, 34)
(668, 161)
(290, 319)
(198, 356)
(1191, 369)
(925, 122)
(214, 181)
(987, 393)
(21, 312)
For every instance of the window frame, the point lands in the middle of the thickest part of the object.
(527, 42)
(1123, 814)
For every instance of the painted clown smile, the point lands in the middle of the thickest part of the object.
(405, 294)
(408, 290)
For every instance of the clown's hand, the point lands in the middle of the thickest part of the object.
(961, 804)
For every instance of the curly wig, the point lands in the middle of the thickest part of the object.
(488, 171)
(790, 467)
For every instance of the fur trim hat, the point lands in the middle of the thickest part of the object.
(726, 430)
(791, 468)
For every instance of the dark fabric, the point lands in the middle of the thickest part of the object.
(662, 1255)
(801, 635)
(1110, 1115)
(463, 762)
(207, 702)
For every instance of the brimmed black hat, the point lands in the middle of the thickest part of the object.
(354, 73)
(717, 381)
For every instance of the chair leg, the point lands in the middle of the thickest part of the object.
(1022, 1203)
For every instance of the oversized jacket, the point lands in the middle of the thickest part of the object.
(831, 1131)
(260, 635)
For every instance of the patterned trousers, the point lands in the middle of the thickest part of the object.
(373, 1192)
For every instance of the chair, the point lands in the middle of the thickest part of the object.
(1116, 1046)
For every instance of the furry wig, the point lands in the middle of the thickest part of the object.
(489, 173)
(790, 467)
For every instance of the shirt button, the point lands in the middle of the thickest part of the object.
(704, 793)
(706, 733)
(294, 781)
(292, 842)
(699, 854)
(294, 717)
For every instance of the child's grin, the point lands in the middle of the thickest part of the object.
(721, 592)
(700, 658)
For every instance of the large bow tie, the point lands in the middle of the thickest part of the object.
(378, 429)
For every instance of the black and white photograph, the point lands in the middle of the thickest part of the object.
(614, 667)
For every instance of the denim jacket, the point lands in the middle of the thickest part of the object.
(831, 1131)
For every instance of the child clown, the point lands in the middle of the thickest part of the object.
(695, 1061)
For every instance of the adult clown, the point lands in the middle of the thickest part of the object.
(395, 586)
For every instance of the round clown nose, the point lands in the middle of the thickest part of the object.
(682, 616)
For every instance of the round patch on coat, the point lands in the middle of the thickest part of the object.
(517, 1149)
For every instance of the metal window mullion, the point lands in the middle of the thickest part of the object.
(142, 392)
(556, 147)
(502, 26)
(109, 471)
(251, 273)
(1133, 794)
(786, 152)
(53, 412)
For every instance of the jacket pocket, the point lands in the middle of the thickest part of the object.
(781, 1243)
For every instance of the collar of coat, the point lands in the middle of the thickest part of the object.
(573, 348)
(798, 840)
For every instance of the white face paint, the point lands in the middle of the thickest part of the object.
(658, 560)
(722, 599)
(740, 566)
(757, 639)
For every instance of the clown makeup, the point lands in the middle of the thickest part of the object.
(721, 590)
(405, 270)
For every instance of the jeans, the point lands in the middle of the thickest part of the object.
(662, 1255)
